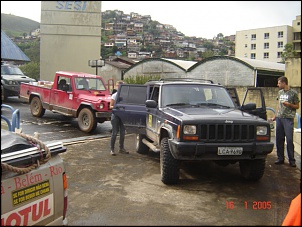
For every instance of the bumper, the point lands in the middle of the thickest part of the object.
(11, 90)
(103, 115)
(209, 151)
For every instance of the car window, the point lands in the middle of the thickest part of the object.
(132, 94)
(10, 70)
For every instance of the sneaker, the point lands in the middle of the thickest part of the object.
(123, 151)
(112, 153)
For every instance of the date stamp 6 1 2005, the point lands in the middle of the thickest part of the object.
(255, 205)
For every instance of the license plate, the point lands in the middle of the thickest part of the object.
(230, 150)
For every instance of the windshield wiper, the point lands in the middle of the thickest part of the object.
(211, 104)
(177, 104)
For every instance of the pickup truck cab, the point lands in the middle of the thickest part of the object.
(74, 94)
(189, 120)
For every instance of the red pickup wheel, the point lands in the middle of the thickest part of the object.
(86, 120)
(36, 107)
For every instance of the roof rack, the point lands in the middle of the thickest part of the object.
(186, 79)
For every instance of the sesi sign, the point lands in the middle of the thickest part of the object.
(71, 5)
(29, 214)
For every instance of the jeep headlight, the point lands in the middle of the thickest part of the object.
(261, 130)
(189, 129)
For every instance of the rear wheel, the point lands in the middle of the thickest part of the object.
(252, 169)
(86, 120)
(169, 167)
(140, 147)
(36, 107)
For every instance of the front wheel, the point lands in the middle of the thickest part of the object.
(252, 169)
(36, 107)
(86, 120)
(169, 167)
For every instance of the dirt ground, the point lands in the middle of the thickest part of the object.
(126, 189)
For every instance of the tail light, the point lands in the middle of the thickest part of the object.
(65, 194)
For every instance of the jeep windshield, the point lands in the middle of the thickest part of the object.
(195, 94)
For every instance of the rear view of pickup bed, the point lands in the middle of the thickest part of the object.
(33, 181)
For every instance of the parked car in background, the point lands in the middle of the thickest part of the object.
(11, 78)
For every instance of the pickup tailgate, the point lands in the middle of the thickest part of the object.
(35, 197)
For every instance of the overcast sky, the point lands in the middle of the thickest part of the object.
(193, 18)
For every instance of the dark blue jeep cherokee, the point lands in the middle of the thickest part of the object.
(189, 119)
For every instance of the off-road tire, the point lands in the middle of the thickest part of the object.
(252, 169)
(86, 120)
(36, 107)
(140, 147)
(169, 167)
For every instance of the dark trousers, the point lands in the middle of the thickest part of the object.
(117, 126)
(285, 128)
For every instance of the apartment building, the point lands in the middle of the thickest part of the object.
(267, 44)
(297, 35)
(264, 44)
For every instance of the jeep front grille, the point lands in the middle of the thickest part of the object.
(227, 133)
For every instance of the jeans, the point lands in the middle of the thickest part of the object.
(285, 128)
(117, 126)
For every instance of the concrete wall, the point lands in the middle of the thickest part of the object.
(293, 71)
(70, 36)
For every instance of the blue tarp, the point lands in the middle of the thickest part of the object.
(10, 51)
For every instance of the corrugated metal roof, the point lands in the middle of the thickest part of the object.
(184, 64)
(10, 51)
(263, 65)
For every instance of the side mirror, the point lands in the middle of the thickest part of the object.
(151, 104)
(249, 106)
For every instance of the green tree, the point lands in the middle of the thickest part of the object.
(31, 69)
(208, 45)
(288, 52)
(207, 54)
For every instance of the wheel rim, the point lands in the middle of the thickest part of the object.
(85, 120)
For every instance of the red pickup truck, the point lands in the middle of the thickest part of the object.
(74, 94)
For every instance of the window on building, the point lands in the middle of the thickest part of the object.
(253, 46)
(266, 35)
(266, 45)
(253, 36)
(253, 56)
(298, 23)
(245, 45)
(266, 55)
(279, 54)
(245, 55)
(280, 44)
(245, 36)
(280, 34)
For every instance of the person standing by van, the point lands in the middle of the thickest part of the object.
(117, 126)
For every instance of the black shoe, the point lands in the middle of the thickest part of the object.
(292, 164)
(123, 151)
(278, 162)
